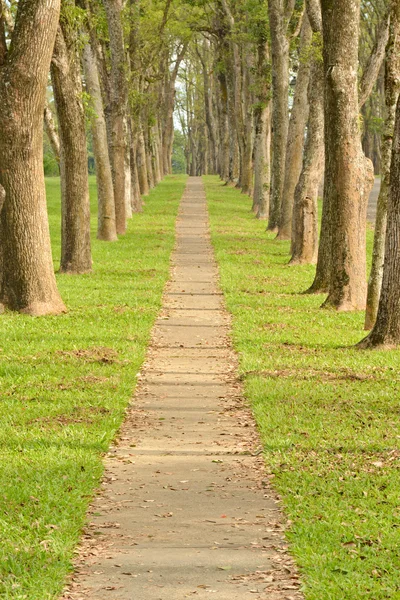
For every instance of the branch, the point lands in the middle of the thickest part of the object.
(228, 13)
(375, 61)
(165, 16)
(299, 25)
(7, 16)
(288, 10)
(313, 8)
(179, 59)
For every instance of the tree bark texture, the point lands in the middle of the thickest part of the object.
(262, 134)
(75, 205)
(106, 228)
(29, 281)
(142, 165)
(118, 107)
(348, 174)
(136, 197)
(295, 141)
(386, 331)
(392, 90)
(51, 131)
(305, 208)
(280, 110)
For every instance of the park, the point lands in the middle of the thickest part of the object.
(199, 299)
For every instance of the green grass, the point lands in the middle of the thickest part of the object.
(328, 413)
(65, 383)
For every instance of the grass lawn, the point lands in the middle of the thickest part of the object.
(328, 414)
(65, 383)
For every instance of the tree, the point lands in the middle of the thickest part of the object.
(106, 229)
(305, 209)
(28, 275)
(280, 12)
(392, 90)
(348, 174)
(118, 107)
(297, 125)
(75, 206)
(386, 331)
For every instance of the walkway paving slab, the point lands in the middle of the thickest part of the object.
(185, 509)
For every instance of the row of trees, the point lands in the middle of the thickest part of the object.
(271, 95)
(111, 68)
(275, 94)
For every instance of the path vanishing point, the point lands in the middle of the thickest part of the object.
(186, 509)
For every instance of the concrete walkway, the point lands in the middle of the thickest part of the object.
(186, 509)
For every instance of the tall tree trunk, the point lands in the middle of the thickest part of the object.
(29, 281)
(142, 165)
(348, 174)
(386, 331)
(223, 128)
(262, 141)
(208, 109)
(118, 105)
(136, 197)
(392, 90)
(280, 111)
(128, 169)
(106, 229)
(75, 206)
(295, 141)
(305, 209)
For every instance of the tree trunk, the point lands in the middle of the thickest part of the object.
(51, 131)
(262, 172)
(136, 197)
(386, 331)
(106, 229)
(280, 110)
(295, 141)
(262, 141)
(29, 281)
(223, 128)
(75, 206)
(305, 209)
(142, 165)
(348, 174)
(128, 174)
(392, 90)
(118, 105)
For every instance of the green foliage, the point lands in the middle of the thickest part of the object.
(65, 383)
(327, 413)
